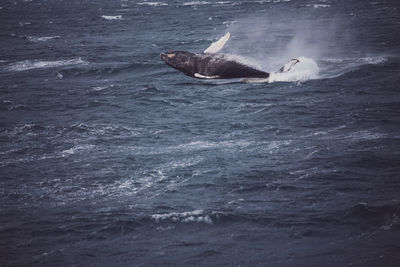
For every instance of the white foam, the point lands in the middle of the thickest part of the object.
(229, 22)
(304, 70)
(196, 3)
(75, 149)
(185, 217)
(153, 3)
(199, 145)
(374, 60)
(117, 17)
(18, 106)
(321, 5)
(334, 67)
(39, 64)
(99, 88)
(365, 135)
(42, 39)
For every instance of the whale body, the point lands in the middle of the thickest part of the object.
(213, 65)
(210, 66)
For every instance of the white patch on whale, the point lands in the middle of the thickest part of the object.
(198, 75)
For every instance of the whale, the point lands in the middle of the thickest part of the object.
(211, 64)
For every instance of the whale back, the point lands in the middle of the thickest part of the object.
(223, 67)
(210, 65)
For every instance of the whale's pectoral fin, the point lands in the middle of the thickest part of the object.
(198, 75)
(218, 45)
(288, 66)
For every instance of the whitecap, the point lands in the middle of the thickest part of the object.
(181, 164)
(75, 149)
(153, 3)
(40, 64)
(24, 23)
(199, 145)
(229, 22)
(42, 39)
(365, 135)
(321, 5)
(99, 88)
(18, 106)
(196, 3)
(185, 217)
(374, 60)
(117, 17)
(335, 67)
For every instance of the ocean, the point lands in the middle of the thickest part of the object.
(109, 157)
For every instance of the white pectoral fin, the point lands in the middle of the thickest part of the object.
(218, 45)
(198, 75)
(288, 66)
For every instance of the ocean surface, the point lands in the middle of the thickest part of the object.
(108, 157)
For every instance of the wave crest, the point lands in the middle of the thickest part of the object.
(41, 64)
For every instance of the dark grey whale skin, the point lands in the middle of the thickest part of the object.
(210, 65)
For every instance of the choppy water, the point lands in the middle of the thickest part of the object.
(111, 158)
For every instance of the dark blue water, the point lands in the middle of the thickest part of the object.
(108, 157)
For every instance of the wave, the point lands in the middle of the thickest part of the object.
(335, 67)
(384, 216)
(41, 64)
(196, 216)
(192, 146)
(196, 3)
(42, 39)
(320, 5)
(113, 68)
(153, 3)
(75, 149)
(117, 17)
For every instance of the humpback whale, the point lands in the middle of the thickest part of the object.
(213, 65)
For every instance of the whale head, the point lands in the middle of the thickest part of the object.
(180, 60)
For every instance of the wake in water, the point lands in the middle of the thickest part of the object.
(40, 64)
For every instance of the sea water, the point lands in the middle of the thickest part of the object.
(109, 157)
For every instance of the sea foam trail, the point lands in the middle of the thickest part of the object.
(39, 64)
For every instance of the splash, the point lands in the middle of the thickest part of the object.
(305, 69)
